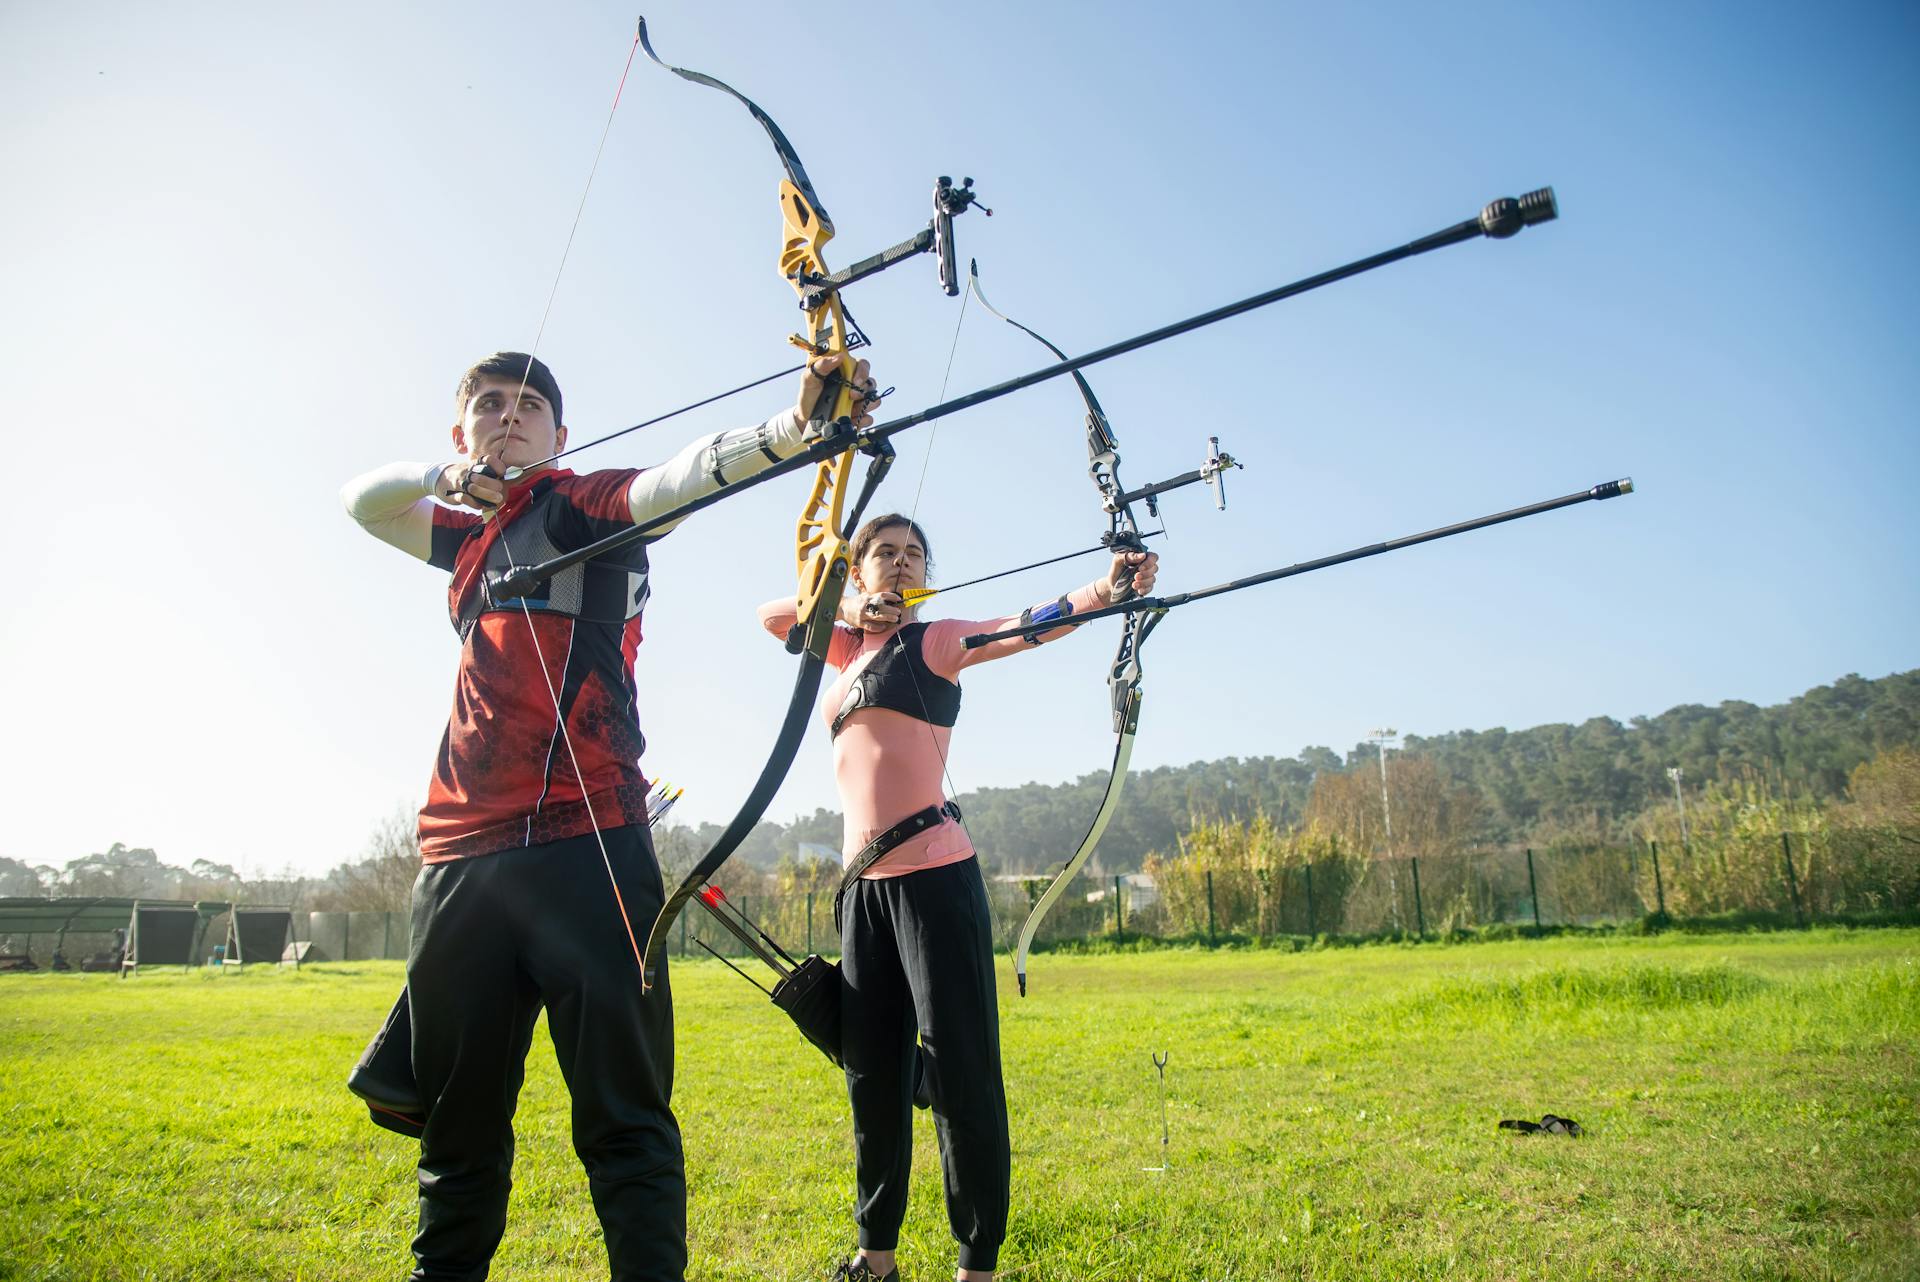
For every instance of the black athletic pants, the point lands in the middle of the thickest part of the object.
(917, 957)
(495, 938)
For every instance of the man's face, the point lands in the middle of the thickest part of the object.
(493, 429)
(894, 560)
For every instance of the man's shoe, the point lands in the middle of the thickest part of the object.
(856, 1270)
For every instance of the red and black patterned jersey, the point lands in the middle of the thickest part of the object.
(505, 776)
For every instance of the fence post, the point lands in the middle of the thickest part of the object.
(809, 921)
(1312, 929)
(1533, 888)
(1419, 914)
(386, 937)
(1659, 886)
(683, 934)
(1210, 936)
(1793, 887)
(346, 935)
(1119, 923)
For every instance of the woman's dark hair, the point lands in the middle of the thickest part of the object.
(517, 367)
(891, 520)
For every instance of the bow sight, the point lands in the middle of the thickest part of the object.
(1213, 472)
(937, 235)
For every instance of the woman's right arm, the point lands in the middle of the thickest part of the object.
(778, 618)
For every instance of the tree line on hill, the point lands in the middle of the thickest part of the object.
(1599, 780)
(1482, 787)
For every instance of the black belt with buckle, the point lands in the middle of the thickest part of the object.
(870, 854)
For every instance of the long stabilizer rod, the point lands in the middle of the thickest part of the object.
(1605, 490)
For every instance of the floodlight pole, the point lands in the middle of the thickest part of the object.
(1673, 773)
(1384, 739)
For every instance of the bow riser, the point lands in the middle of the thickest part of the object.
(820, 547)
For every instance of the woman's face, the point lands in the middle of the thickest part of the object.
(892, 562)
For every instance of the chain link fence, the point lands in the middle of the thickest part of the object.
(356, 936)
(1798, 877)
(1781, 879)
(1778, 878)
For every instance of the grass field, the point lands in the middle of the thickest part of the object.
(1752, 1105)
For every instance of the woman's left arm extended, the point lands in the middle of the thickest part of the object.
(946, 655)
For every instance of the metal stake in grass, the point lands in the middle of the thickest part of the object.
(1160, 1065)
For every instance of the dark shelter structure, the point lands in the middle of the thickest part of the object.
(257, 935)
(100, 924)
(124, 934)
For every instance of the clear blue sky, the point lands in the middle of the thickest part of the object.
(249, 248)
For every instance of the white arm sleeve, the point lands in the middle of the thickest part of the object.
(395, 504)
(713, 463)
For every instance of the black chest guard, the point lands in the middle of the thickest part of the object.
(898, 679)
(608, 589)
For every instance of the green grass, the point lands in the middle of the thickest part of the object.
(1752, 1105)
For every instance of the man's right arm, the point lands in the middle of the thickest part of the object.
(395, 504)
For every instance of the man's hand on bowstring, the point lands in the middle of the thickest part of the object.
(823, 376)
(465, 485)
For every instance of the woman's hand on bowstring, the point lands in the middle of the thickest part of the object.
(873, 611)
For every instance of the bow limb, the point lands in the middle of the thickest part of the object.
(792, 730)
(820, 547)
(1123, 675)
(821, 553)
(1096, 417)
(789, 158)
(824, 573)
(1125, 682)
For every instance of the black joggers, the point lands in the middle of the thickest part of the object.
(495, 938)
(917, 957)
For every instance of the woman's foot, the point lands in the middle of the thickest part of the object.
(868, 1266)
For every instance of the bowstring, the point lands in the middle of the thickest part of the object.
(533, 632)
(913, 515)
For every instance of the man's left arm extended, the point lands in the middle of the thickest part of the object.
(713, 463)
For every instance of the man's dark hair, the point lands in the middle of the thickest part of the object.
(871, 531)
(516, 367)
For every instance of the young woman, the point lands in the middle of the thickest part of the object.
(915, 930)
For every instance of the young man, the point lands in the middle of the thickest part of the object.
(536, 800)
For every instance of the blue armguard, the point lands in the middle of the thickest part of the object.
(1044, 614)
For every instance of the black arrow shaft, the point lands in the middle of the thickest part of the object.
(1035, 565)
